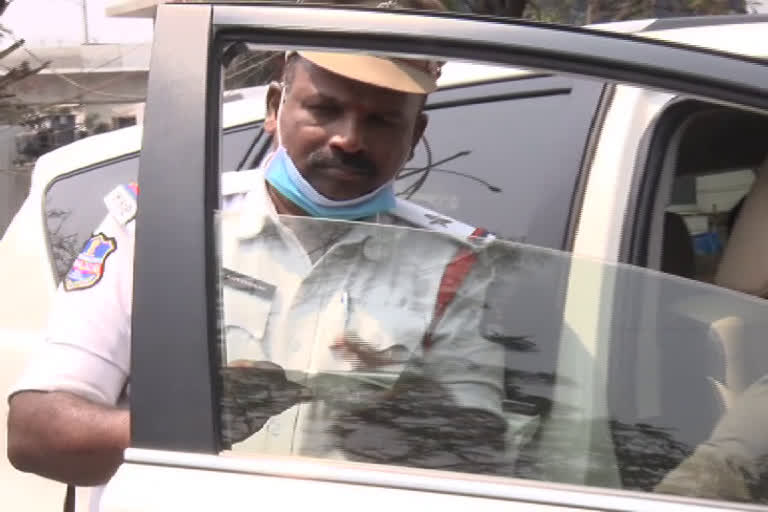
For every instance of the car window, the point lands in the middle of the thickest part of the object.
(708, 205)
(74, 208)
(74, 202)
(481, 158)
(325, 361)
(449, 332)
(713, 155)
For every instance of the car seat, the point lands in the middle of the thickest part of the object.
(744, 268)
(677, 256)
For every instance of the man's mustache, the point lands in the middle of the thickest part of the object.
(338, 159)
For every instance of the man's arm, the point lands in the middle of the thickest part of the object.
(63, 422)
(61, 436)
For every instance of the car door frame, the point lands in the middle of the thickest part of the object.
(174, 325)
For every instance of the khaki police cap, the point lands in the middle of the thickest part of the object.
(405, 75)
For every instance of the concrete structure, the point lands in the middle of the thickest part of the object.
(138, 8)
(105, 83)
(84, 74)
(14, 180)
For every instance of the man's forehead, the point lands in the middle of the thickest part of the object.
(314, 79)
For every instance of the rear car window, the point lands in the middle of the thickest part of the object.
(74, 203)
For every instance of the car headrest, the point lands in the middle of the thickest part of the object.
(744, 266)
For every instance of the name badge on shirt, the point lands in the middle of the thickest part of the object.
(247, 306)
(248, 284)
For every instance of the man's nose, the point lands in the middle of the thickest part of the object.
(348, 135)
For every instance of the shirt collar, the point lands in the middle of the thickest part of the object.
(258, 214)
(258, 211)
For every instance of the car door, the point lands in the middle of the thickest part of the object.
(571, 449)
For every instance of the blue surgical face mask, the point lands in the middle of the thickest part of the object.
(283, 175)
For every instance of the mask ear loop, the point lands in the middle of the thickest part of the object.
(279, 112)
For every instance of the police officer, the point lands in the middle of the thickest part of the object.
(318, 299)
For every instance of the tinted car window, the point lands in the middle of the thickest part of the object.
(510, 146)
(74, 204)
(74, 207)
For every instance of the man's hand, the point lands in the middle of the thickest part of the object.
(252, 392)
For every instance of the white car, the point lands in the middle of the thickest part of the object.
(605, 162)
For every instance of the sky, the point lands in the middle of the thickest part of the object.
(60, 23)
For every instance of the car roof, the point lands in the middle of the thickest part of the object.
(711, 32)
(248, 105)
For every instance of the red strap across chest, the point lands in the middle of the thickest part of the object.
(453, 276)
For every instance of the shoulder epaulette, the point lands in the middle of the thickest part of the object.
(423, 217)
(238, 182)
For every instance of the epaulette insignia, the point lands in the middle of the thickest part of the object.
(88, 267)
(121, 202)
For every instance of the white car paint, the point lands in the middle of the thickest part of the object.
(233, 488)
(606, 196)
(748, 39)
(210, 482)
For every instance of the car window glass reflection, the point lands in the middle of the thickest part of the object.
(322, 361)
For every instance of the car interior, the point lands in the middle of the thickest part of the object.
(719, 239)
(719, 153)
(708, 224)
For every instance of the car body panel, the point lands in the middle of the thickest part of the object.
(204, 482)
(612, 168)
(748, 39)
(203, 490)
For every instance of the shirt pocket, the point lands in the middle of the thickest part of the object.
(245, 325)
(390, 323)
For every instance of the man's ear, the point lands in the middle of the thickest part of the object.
(274, 97)
(418, 131)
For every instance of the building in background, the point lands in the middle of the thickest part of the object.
(84, 89)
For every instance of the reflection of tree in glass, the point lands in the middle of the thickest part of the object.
(644, 453)
(433, 166)
(579, 12)
(64, 246)
(417, 425)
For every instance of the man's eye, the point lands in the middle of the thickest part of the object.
(385, 121)
(323, 109)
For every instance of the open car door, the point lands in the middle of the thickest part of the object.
(578, 356)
